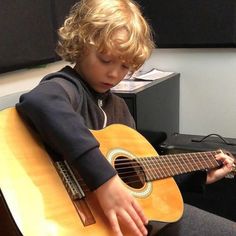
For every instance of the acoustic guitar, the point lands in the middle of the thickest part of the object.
(46, 198)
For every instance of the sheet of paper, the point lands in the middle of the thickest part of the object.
(129, 85)
(152, 75)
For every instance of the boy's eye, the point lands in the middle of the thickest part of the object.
(105, 60)
(125, 67)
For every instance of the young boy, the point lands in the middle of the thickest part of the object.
(106, 40)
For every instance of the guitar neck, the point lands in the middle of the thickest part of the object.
(170, 165)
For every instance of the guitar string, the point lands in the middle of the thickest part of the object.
(172, 168)
(198, 162)
(134, 173)
(171, 161)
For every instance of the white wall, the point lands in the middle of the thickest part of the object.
(207, 86)
(25, 79)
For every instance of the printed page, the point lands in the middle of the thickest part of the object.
(129, 85)
(151, 75)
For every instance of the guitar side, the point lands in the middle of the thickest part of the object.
(37, 198)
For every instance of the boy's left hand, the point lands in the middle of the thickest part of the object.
(228, 165)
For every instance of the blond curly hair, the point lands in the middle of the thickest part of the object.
(96, 21)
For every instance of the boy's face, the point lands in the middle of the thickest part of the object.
(101, 71)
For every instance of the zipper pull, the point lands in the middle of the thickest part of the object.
(100, 103)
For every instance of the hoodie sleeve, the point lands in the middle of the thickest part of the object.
(47, 108)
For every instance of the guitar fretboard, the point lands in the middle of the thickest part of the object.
(175, 164)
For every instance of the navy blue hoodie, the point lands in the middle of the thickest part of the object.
(62, 109)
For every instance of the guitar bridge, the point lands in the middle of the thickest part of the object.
(69, 180)
(75, 192)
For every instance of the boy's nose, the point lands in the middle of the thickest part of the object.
(114, 72)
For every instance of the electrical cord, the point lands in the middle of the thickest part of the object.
(209, 135)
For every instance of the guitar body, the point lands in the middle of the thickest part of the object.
(37, 198)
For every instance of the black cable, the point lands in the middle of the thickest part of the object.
(219, 136)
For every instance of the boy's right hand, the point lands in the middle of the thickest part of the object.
(120, 206)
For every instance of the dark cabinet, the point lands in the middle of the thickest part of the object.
(155, 105)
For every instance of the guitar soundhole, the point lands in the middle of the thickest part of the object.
(130, 172)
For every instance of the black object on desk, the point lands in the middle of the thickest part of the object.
(181, 143)
(154, 105)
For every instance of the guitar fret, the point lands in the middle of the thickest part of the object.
(165, 166)
(204, 159)
(176, 168)
(192, 161)
(183, 158)
(170, 164)
(181, 166)
(150, 168)
(147, 169)
(155, 169)
(207, 160)
(187, 162)
(197, 162)
(211, 161)
(160, 171)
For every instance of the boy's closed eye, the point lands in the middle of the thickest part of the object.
(106, 61)
(126, 66)
(104, 58)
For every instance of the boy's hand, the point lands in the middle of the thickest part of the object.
(120, 206)
(219, 173)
